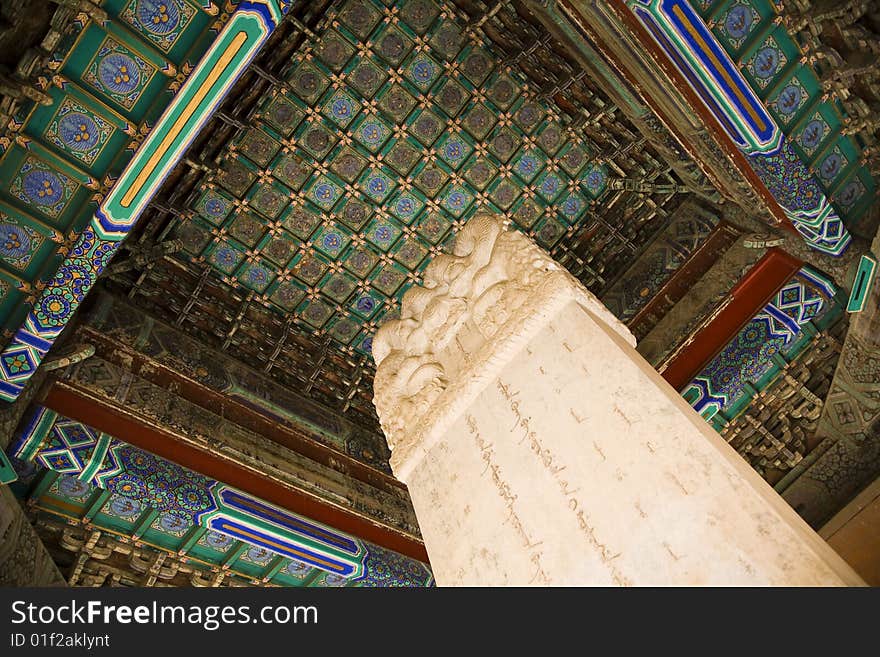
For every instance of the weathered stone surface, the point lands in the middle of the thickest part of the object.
(24, 560)
(540, 448)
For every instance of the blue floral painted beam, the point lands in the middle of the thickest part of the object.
(138, 482)
(695, 51)
(748, 363)
(208, 84)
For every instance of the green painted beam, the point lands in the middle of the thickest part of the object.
(191, 538)
(272, 569)
(143, 523)
(7, 472)
(96, 503)
(43, 484)
(97, 459)
(234, 554)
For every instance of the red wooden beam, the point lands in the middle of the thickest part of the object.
(75, 404)
(743, 302)
(154, 371)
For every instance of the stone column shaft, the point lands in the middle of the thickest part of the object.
(540, 448)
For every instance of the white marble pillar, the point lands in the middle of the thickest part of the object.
(540, 448)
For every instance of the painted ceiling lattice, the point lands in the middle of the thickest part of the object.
(392, 128)
(84, 151)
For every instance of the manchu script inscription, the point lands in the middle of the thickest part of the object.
(520, 425)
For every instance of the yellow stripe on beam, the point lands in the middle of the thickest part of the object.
(216, 72)
(283, 546)
(719, 66)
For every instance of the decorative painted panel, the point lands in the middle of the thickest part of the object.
(175, 500)
(18, 243)
(758, 127)
(118, 73)
(42, 187)
(81, 130)
(24, 242)
(768, 59)
(752, 358)
(122, 75)
(161, 21)
(738, 23)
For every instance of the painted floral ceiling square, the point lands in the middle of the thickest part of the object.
(390, 130)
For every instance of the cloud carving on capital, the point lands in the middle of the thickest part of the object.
(495, 282)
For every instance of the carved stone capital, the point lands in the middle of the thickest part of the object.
(476, 308)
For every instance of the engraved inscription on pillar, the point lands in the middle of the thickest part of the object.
(494, 289)
(540, 448)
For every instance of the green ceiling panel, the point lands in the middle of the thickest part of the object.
(40, 183)
(169, 26)
(856, 194)
(80, 129)
(392, 129)
(25, 243)
(108, 82)
(739, 23)
(119, 69)
(764, 63)
(817, 129)
(836, 162)
(788, 98)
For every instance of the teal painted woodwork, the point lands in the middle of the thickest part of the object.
(772, 60)
(7, 472)
(862, 284)
(782, 330)
(757, 102)
(129, 492)
(115, 81)
(165, 24)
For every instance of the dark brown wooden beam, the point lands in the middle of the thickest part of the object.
(77, 404)
(674, 289)
(154, 371)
